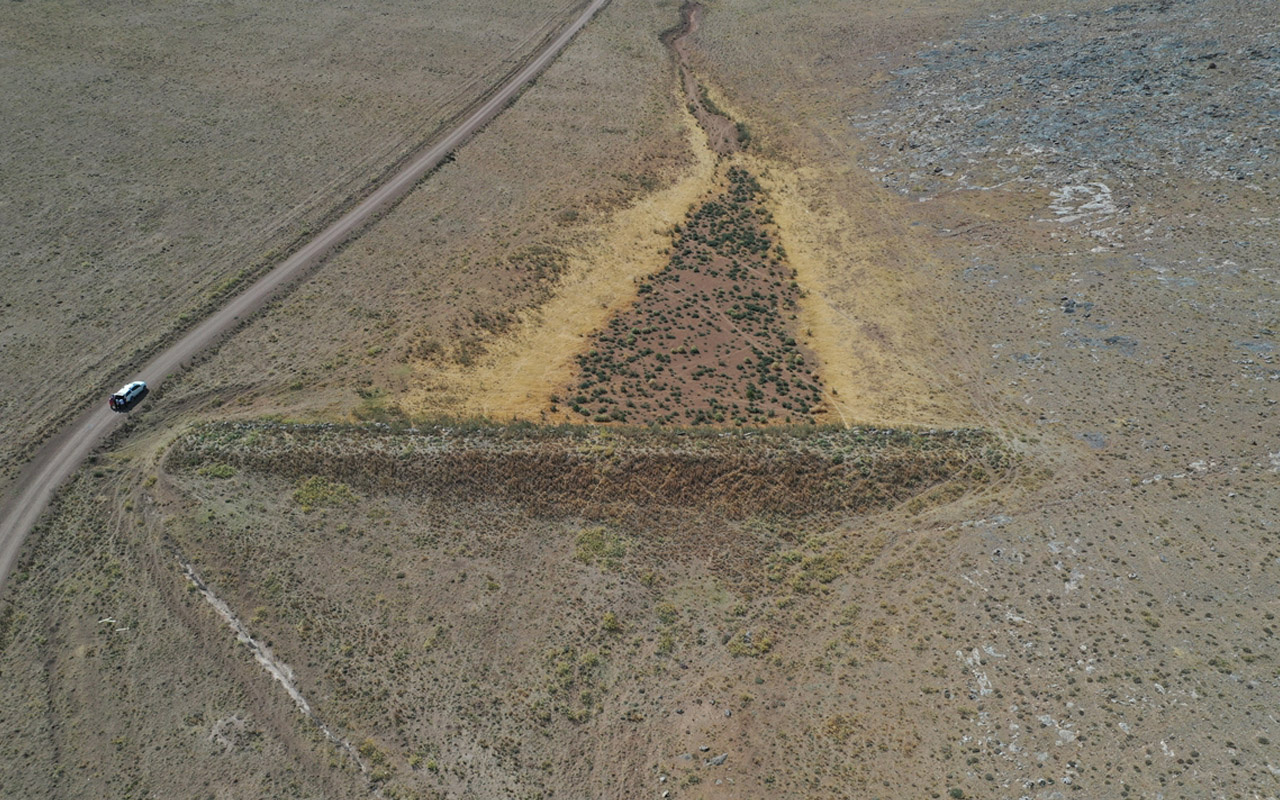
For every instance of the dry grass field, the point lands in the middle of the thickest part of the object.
(161, 154)
(1051, 228)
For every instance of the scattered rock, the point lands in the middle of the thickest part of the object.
(1094, 439)
(1110, 88)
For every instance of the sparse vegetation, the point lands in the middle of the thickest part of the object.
(98, 281)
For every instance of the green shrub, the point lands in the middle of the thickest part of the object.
(320, 492)
(595, 544)
(218, 470)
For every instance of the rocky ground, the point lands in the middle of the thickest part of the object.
(1171, 93)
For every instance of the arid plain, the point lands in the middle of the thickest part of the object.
(1012, 264)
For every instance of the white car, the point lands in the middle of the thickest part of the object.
(128, 393)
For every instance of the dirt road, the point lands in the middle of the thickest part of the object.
(64, 453)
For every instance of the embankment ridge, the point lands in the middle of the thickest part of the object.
(581, 469)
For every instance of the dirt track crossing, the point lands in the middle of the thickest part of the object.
(64, 452)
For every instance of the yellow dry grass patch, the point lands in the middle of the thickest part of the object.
(522, 369)
(862, 316)
(866, 313)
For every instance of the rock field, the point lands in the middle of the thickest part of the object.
(1137, 91)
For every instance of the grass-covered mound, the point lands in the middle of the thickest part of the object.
(580, 468)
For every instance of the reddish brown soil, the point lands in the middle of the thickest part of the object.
(711, 339)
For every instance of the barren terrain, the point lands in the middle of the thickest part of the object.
(1050, 229)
